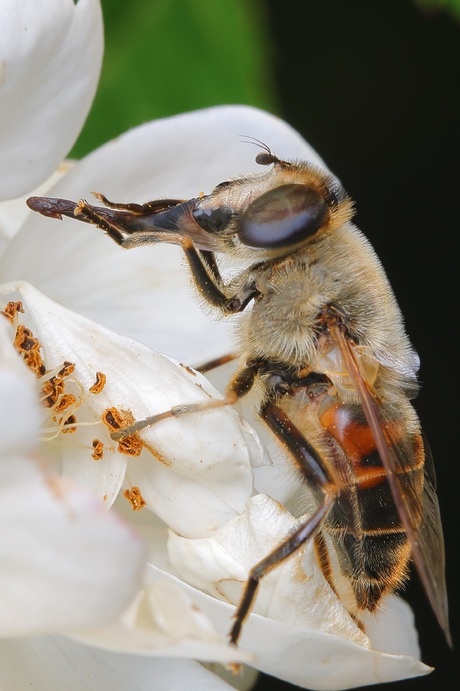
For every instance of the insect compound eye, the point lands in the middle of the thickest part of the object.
(213, 220)
(282, 217)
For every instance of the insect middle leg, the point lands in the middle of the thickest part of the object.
(239, 386)
(210, 365)
(311, 466)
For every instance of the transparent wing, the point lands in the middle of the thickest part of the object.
(417, 507)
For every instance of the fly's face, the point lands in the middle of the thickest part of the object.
(274, 213)
(256, 216)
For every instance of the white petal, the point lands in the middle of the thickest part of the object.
(210, 479)
(298, 653)
(304, 636)
(65, 563)
(308, 658)
(146, 293)
(319, 661)
(214, 564)
(14, 211)
(50, 60)
(196, 470)
(165, 619)
(392, 628)
(166, 622)
(59, 548)
(58, 664)
(311, 659)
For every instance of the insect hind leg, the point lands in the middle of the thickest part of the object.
(310, 464)
(278, 555)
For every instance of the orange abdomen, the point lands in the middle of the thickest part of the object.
(371, 543)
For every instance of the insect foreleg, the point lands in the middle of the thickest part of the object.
(313, 469)
(90, 214)
(156, 205)
(207, 279)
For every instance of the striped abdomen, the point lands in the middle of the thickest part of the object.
(364, 524)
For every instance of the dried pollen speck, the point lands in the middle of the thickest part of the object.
(11, 310)
(116, 420)
(65, 402)
(29, 348)
(52, 386)
(98, 451)
(51, 390)
(99, 383)
(67, 369)
(135, 498)
(69, 425)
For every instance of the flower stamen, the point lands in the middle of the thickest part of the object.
(115, 420)
(135, 498)
(98, 452)
(68, 426)
(11, 311)
(29, 348)
(60, 403)
(99, 383)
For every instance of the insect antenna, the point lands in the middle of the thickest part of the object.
(265, 158)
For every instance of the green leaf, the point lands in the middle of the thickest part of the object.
(170, 56)
(450, 6)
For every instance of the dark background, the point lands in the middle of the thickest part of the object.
(374, 87)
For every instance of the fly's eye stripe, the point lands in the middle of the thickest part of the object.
(282, 217)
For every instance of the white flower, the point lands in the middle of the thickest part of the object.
(194, 473)
(50, 58)
(59, 548)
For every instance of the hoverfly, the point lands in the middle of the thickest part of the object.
(323, 339)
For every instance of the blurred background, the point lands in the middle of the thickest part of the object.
(374, 87)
